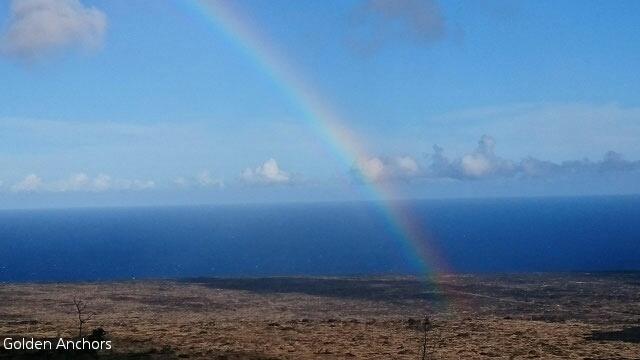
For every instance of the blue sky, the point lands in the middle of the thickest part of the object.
(135, 103)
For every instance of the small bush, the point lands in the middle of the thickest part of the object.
(97, 334)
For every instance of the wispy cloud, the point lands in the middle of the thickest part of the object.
(126, 184)
(547, 130)
(180, 181)
(102, 182)
(155, 150)
(82, 182)
(74, 182)
(203, 179)
(375, 23)
(30, 183)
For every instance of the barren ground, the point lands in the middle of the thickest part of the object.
(519, 316)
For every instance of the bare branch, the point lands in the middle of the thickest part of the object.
(432, 338)
(82, 317)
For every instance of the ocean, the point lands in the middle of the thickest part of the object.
(480, 235)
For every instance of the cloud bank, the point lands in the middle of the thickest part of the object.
(79, 182)
(483, 163)
(30, 183)
(38, 27)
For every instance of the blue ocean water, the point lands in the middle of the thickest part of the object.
(489, 235)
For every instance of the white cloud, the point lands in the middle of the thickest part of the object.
(30, 183)
(407, 164)
(40, 26)
(269, 172)
(483, 162)
(382, 169)
(475, 165)
(479, 164)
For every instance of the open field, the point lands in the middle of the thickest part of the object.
(519, 316)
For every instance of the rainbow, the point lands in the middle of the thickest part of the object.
(323, 121)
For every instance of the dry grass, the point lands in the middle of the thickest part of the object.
(512, 317)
